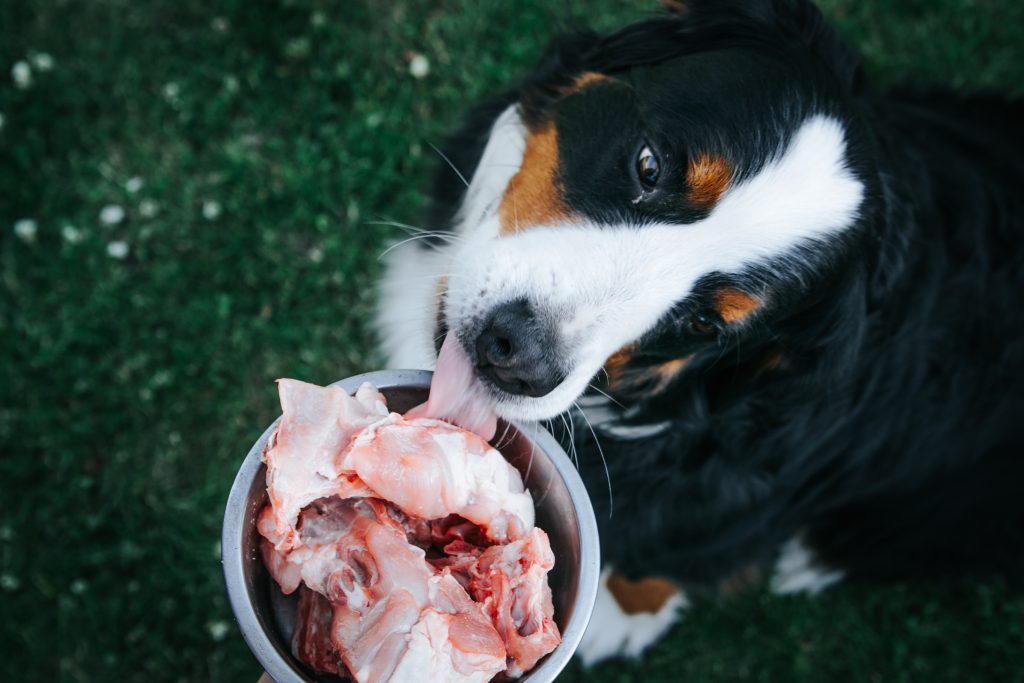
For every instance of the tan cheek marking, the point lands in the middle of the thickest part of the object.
(734, 306)
(667, 371)
(616, 365)
(533, 196)
(652, 379)
(645, 595)
(707, 179)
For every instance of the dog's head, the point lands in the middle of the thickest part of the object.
(655, 200)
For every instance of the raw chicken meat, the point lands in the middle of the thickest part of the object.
(511, 584)
(415, 541)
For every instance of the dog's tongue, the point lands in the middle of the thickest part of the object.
(455, 395)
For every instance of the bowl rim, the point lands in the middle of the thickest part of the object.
(233, 529)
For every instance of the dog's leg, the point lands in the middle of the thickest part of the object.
(797, 571)
(629, 616)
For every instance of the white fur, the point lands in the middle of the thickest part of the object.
(604, 286)
(407, 312)
(613, 633)
(797, 571)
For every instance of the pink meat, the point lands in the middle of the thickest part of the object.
(431, 469)
(510, 582)
(393, 614)
(357, 498)
(302, 456)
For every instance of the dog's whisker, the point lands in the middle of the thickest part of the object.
(572, 440)
(606, 395)
(402, 242)
(450, 164)
(604, 461)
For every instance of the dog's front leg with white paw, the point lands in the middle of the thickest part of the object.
(629, 617)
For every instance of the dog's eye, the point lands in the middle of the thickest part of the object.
(702, 325)
(648, 168)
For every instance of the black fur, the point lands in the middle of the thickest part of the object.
(890, 433)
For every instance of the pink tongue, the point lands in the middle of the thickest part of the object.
(455, 395)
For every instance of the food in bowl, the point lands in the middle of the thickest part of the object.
(413, 539)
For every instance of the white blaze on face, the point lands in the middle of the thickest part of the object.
(609, 284)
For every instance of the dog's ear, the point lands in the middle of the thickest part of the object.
(564, 59)
(799, 20)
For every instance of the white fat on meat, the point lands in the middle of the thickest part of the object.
(302, 456)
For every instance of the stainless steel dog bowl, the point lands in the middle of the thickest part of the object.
(266, 616)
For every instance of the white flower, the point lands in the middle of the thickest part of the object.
(112, 214)
(318, 19)
(21, 72)
(297, 48)
(218, 629)
(171, 91)
(148, 208)
(220, 24)
(26, 229)
(316, 254)
(42, 61)
(133, 184)
(419, 66)
(78, 586)
(9, 582)
(211, 210)
(117, 249)
(231, 84)
(71, 234)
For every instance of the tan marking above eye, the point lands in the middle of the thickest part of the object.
(707, 178)
(534, 195)
(583, 80)
(644, 595)
(734, 306)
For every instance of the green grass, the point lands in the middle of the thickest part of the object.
(131, 388)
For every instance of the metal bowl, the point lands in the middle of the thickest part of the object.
(266, 616)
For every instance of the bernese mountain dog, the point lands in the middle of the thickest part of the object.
(776, 314)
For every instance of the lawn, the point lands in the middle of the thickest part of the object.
(190, 197)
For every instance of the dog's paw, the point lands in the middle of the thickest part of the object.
(797, 571)
(629, 617)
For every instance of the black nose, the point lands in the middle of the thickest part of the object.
(515, 351)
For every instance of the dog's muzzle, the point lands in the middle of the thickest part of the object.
(515, 350)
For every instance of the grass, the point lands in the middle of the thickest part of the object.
(266, 137)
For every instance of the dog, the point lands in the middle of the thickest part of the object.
(777, 312)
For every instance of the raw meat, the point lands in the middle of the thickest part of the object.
(415, 537)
